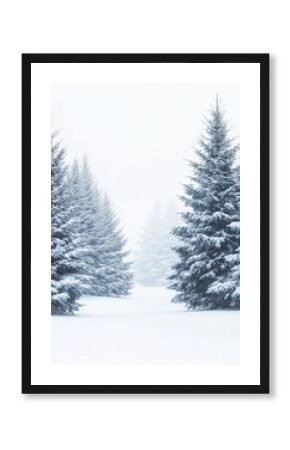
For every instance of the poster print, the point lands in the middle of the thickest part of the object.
(146, 228)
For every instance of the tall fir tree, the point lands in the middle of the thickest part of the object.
(234, 259)
(115, 275)
(67, 280)
(82, 192)
(104, 255)
(91, 225)
(206, 275)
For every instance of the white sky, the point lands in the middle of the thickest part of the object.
(136, 137)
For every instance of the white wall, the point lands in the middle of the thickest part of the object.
(202, 422)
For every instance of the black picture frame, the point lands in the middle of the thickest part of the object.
(27, 61)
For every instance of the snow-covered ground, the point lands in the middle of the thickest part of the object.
(145, 328)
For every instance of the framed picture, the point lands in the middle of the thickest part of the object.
(145, 223)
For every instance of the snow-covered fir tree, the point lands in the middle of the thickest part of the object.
(234, 259)
(68, 282)
(93, 230)
(115, 277)
(88, 255)
(100, 239)
(206, 275)
(155, 254)
(83, 199)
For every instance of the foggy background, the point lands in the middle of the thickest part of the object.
(137, 137)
